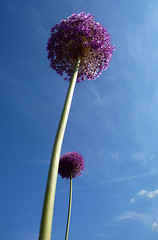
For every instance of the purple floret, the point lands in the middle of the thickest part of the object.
(79, 36)
(71, 165)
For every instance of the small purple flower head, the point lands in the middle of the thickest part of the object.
(79, 36)
(71, 165)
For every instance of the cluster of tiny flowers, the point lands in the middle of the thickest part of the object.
(71, 165)
(79, 36)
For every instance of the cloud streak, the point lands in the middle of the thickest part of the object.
(128, 178)
(149, 194)
(132, 216)
(103, 235)
(147, 218)
(38, 161)
(144, 193)
(155, 226)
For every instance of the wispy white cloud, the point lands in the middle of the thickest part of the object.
(100, 235)
(152, 194)
(144, 193)
(103, 235)
(41, 161)
(128, 178)
(142, 157)
(38, 161)
(147, 217)
(132, 216)
(139, 156)
(132, 200)
(104, 99)
(98, 99)
(141, 192)
(154, 226)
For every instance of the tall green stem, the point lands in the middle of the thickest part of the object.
(69, 211)
(48, 206)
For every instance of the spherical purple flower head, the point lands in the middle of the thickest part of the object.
(71, 164)
(79, 36)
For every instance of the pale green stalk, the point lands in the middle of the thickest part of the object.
(48, 206)
(69, 211)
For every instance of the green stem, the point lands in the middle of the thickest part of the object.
(69, 211)
(48, 206)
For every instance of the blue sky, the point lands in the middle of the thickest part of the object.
(113, 123)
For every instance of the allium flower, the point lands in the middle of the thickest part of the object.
(79, 48)
(71, 165)
(79, 36)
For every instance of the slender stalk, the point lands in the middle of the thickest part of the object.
(69, 211)
(48, 206)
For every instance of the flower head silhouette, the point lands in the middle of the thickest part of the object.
(71, 165)
(79, 37)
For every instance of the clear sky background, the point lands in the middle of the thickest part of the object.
(113, 123)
